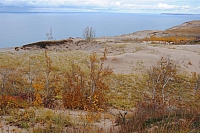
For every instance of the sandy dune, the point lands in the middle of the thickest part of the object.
(144, 58)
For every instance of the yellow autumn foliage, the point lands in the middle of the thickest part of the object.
(38, 86)
(38, 100)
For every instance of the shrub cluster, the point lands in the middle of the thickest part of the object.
(9, 102)
(170, 39)
(38, 83)
(86, 90)
(170, 101)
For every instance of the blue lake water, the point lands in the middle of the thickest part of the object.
(17, 29)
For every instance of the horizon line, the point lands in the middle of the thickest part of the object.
(163, 13)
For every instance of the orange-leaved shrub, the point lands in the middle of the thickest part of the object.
(10, 102)
(170, 39)
(87, 89)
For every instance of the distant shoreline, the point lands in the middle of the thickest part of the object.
(178, 14)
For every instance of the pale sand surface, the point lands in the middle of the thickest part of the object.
(144, 58)
(12, 49)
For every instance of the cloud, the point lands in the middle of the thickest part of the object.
(159, 6)
(198, 8)
(166, 6)
(112, 5)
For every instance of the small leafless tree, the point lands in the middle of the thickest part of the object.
(4, 74)
(196, 76)
(49, 35)
(161, 76)
(89, 34)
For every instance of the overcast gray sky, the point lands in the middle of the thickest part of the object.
(135, 6)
